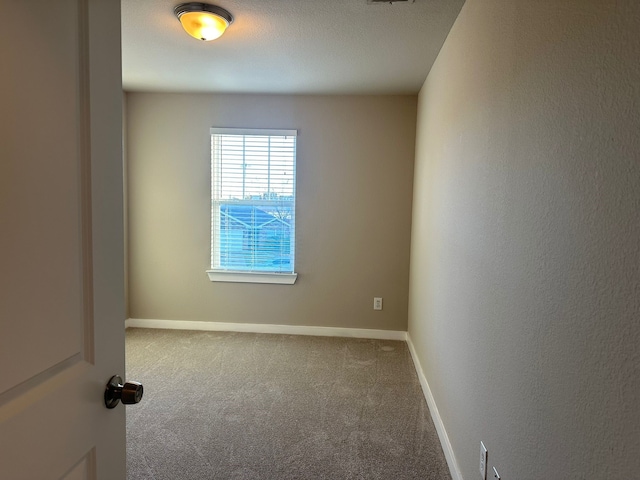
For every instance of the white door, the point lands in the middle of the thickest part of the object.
(61, 240)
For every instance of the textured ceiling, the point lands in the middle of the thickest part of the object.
(287, 46)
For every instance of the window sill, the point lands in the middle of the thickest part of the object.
(245, 277)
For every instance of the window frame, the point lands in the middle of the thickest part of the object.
(241, 276)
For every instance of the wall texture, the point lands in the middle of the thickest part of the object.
(525, 283)
(354, 180)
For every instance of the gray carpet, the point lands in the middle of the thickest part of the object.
(255, 406)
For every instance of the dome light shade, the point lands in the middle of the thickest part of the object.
(203, 21)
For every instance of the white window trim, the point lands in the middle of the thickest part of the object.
(252, 277)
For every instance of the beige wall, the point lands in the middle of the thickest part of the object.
(354, 180)
(524, 298)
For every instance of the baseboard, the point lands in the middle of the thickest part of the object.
(260, 328)
(435, 415)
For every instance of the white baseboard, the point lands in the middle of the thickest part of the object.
(261, 328)
(456, 474)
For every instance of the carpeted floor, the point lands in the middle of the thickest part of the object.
(240, 406)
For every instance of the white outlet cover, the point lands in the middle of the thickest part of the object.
(377, 303)
(483, 461)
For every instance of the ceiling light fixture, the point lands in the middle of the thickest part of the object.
(203, 21)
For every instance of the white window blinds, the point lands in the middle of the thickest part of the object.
(253, 200)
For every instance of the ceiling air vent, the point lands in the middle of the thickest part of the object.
(388, 2)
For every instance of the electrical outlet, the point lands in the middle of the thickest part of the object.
(483, 461)
(496, 475)
(377, 303)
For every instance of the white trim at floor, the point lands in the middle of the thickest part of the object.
(456, 474)
(262, 328)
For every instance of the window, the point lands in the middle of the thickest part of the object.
(253, 205)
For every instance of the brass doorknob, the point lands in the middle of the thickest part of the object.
(129, 392)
